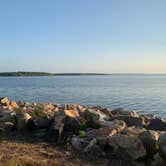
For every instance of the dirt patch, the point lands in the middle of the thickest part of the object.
(21, 150)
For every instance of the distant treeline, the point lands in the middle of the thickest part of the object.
(19, 74)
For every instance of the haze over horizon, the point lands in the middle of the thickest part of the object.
(83, 36)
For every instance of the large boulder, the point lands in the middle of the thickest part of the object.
(126, 147)
(74, 122)
(133, 131)
(4, 101)
(6, 126)
(72, 113)
(149, 139)
(96, 118)
(107, 112)
(97, 138)
(75, 107)
(56, 128)
(21, 121)
(157, 124)
(113, 128)
(158, 161)
(42, 123)
(14, 105)
(130, 120)
(6, 115)
(162, 146)
(121, 111)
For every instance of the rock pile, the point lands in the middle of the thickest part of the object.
(121, 136)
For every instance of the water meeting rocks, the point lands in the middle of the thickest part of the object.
(119, 135)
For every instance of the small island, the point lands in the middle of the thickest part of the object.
(47, 134)
(32, 74)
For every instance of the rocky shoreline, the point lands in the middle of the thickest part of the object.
(122, 137)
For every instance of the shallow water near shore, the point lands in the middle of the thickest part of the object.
(143, 93)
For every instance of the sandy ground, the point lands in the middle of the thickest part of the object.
(25, 151)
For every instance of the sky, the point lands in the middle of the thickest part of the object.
(103, 36)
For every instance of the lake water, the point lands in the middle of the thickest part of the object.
(143, 93)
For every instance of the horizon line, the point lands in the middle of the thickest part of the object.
(102, 73)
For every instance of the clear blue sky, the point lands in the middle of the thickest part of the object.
(83, 35)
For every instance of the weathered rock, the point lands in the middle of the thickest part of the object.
(72, 125)
(107, 112)
(5, 101)
(42, 123)
(56, 109)
(121, 111)
(149, 139)
(56, 129)
(147, 118)
(162, 146)
(130, 120)
(79, 143)
(96, 118)
(157, 124)
(6, 116)
(76, 107)
(158, 161)
(72, 113)
(21, 121)
(133, 131)
(8, 126)
(38, 123)
(14, 105)
(31, 124)
(97, 138)
(113, 128)
(128, 147)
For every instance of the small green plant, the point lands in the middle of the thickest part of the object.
(82, 133)
(39, 112)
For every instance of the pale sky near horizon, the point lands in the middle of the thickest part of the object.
(110, 36)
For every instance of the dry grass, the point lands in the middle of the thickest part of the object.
(20, 152)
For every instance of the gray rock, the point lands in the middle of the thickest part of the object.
(128, 147)
(42, 123)
(6, 115)
(162, 146)
(96, 118)
(121, 111)
(21, 121)
(158, 161)
(97, 138)
(113, 128)
(157, 124)
(56, 128)
(130, 120)
(133, 131)
(7, 126)
(78, 143)
(149, 139)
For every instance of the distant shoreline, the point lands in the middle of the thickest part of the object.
(30, 74)
(33, 74)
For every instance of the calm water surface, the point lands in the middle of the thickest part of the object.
(144, 93)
